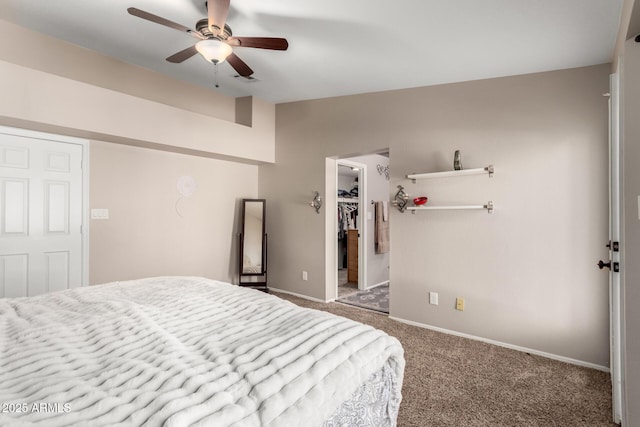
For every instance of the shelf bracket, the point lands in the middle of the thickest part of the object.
(489, 207)
(401, 199)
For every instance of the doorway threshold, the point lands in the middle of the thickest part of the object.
(376, 299)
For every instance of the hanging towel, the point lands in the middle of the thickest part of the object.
(385, 211)
(381, 229)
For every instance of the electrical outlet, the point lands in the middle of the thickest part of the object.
(305, 276)
(433, 298)
(460, 304)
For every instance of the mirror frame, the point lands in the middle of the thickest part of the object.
(263, 260)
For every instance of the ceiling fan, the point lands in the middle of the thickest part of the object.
(216, 41)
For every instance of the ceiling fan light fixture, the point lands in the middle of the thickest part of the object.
(213, 50)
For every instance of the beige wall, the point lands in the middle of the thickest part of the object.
(151, 230)
(34, 50)
(46, 102)
(631, 227)
(527, 271)
(53, 86)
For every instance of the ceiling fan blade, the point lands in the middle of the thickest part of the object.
(239, 65)
(183, 55)
(217, 11)
(162, 21)
(273, 43)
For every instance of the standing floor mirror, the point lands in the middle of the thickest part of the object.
(252, 259)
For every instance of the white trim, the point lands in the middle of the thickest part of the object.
(84, 143)
(85, 212)
(282, 291)
(330, 227)
(42, 135)
(616, 296)
(505, 345)
(378, 284)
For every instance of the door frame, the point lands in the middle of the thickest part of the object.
(43, 136)
(616, 297)
(331, 224)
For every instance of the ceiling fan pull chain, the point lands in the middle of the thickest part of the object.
(215, 66)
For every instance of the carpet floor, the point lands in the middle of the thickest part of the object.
(454, 381)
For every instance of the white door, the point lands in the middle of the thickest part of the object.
(41, 211)
(615, 248)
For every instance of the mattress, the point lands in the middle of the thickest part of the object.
(177, 351)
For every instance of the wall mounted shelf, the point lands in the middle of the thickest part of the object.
(488, 207)
(401, 198)
(478, 171)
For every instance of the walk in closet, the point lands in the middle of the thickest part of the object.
(348, 212)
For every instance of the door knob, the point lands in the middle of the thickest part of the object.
(602, 264)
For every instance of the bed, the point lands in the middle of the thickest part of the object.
(177, 351)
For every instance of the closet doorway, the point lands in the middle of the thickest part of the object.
(351, 184)
(362, 244)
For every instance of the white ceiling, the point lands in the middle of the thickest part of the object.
(341, 47)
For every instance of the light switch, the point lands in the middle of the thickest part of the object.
(369, 215)
(99, 213)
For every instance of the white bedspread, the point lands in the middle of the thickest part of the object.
(178, 351)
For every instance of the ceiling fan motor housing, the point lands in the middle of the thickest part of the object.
(202, 26)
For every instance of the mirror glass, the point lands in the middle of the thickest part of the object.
(253, 237)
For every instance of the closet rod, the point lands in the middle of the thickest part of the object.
(347, 200)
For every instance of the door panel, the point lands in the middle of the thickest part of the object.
(58, 162)
(56, 195)
(15, 203)
(14, 157)
(14, 275)
(40, 215)
(57, 271)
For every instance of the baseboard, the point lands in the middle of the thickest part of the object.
(505, 345)
(282, 291)
(386, 282)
